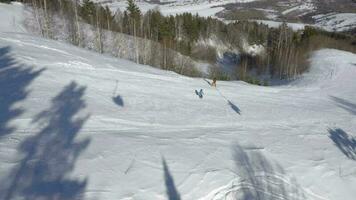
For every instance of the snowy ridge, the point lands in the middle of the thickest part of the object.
(209, 8)
(78, 125)
(336, 21)
(275, 24)
(302, 7)
(201, 7)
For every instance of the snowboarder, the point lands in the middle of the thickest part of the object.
(214, 82)
(200, 93)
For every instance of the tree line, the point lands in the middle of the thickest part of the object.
(178, 42)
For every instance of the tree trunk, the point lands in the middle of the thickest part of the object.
(35, 10)
(79, 37)
(99, 36)
(46, 19)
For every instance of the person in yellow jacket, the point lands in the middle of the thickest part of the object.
(214, 82)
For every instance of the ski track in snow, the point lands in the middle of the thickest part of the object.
(111, 129)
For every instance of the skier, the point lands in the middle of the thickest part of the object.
(200, 93)
(214, 82)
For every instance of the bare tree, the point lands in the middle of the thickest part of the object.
(36, 13)
(79, 36)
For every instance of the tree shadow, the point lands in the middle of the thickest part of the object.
(50, 156)
(261, 179)
(234, 107)
(171, 189)
(346, 143)
(118, 100)
(342, 103)
(15, 79)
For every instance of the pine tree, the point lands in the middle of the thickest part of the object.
(133, 9)
(135, 17)
(5, 1)
(88, 11)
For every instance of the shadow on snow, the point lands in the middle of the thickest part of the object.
(50, 156)
(208, 82)
(234, 107)
(171, 189)
(342, 103)
(230, 103)
(344, 142)
(15, 79)
(262, 179)
(118, 100)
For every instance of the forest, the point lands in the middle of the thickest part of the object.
(180, 43)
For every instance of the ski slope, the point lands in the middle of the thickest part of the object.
(78, 125)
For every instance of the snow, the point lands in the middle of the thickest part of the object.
(203, 8)
(276, 24)
(329, 22)
(13, 16)
(220, 46)
(303, 6)
(78, 125)
(269, 13)
(254, 49)
(206, 8)
(336, 21)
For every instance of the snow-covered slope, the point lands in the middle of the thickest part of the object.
(171, 7)
(336, 21)
(11, 18)
(300, 7)
(79, 125)
(275, 24)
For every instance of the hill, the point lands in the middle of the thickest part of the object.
(79, 125)
(330, 15)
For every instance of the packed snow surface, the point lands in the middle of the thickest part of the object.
(78, 125)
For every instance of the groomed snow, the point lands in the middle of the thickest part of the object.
(78, 125)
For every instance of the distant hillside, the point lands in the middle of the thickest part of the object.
(294, 11)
